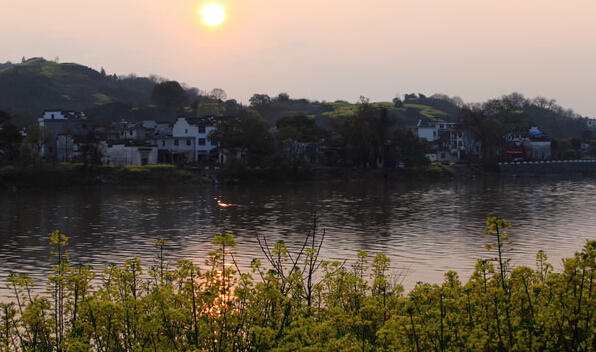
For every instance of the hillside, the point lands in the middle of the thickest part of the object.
(37, 84)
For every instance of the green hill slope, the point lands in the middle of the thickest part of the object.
(37, 84)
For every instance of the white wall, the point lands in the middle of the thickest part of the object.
(120, 155)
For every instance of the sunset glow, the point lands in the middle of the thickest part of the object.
(213, 14)
(324, 50)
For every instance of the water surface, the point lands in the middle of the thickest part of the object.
(425, 228)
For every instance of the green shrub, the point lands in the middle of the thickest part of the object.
(433, 172)
(439, 171)
(161, 168)
(277, 306)
(7, 169)
(134, 169)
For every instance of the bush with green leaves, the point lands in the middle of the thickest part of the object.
(292, 301)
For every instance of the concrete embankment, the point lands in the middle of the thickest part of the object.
(548, 167)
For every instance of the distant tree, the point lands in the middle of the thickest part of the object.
(10, 138)
(194, 105)
(366, 134)
(37, 137)
(406, 147)
(259, 100)
(193, 93)
(89, 148)
(231, 107)
(283, 97)
(456, 101)
(296, 133)
(169, 94)
(248, 134)
(544, 103)
(219, 94)
(487, 129)
(576, 143)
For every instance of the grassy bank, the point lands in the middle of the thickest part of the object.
(80, 175)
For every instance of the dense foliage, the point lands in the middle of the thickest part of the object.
(298, 302)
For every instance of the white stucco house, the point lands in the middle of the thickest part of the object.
(126, 153)
(189, 136)
(61, 127)
(449, 142)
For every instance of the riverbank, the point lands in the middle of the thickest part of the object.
(548, 167)
(79, 175)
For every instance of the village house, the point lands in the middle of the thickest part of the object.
(128, 153)
(155, 129)
(125, 131)
(62, 128)
(532, 144)
(449, 142)
(188, 142)
(590, 123)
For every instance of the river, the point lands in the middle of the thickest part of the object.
(426, 228)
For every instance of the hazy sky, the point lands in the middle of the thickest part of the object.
(325, 49)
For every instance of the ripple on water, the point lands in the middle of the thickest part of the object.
(425, 229)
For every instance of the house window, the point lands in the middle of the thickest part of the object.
(188, 142)
(163, 143)
(201, 129)
(130, 133)
(176, 142)
(442, 155)
(460, 143)
(459, 134)
(434, 134)
(186, 131)
(51, 150)
(202, 141)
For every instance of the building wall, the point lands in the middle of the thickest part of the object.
(540, 150)
(202, 146)
(60, 127)
(427, 133)
(66, 148)
(120, 155)
(53, 115)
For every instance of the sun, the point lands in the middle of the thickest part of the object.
(213, 14)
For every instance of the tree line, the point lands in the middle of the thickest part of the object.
(365, 134)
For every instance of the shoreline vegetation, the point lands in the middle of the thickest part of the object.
(80, 175)
(294, 301)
